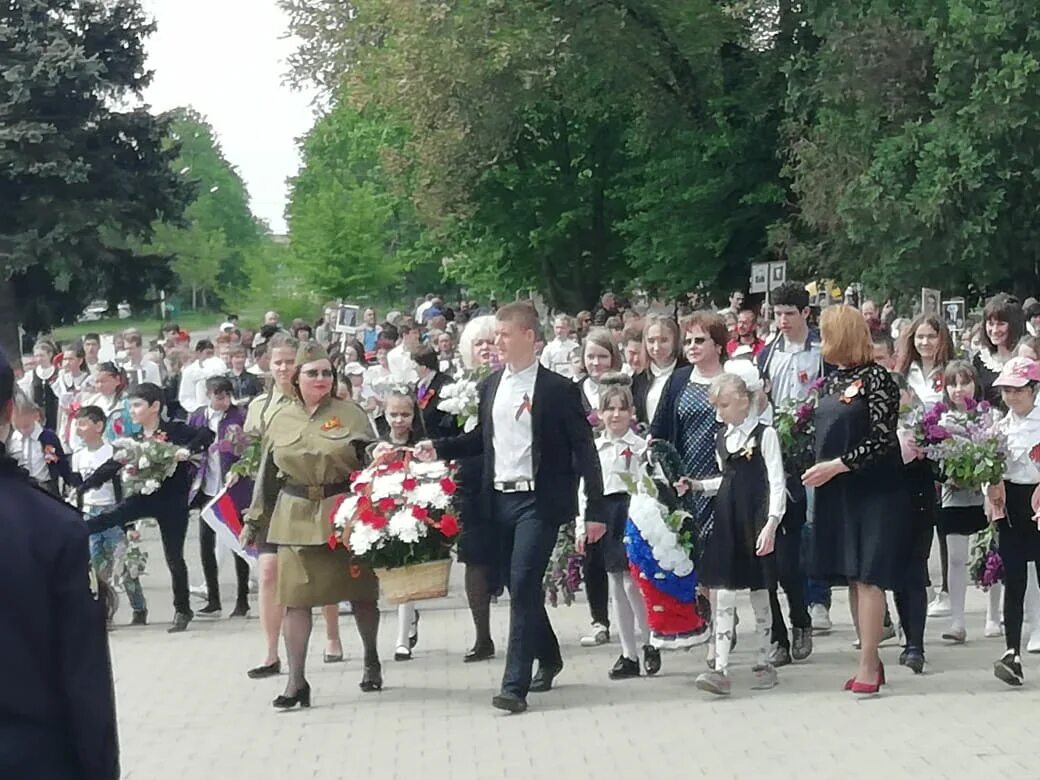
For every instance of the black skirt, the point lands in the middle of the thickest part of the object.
(480, 540)
(612, 545)
(961, 520)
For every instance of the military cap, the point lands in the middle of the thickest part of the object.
(309, 352)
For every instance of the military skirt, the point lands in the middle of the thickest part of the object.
(314, 575)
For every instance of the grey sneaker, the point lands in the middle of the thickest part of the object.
(599, 635)
(714, 682)
(765, 677)
(779, 655)
(801, 643)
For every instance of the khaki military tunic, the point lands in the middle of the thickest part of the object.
(313, 454)
(259, 413)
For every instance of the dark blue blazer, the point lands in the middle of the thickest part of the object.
(57, 704)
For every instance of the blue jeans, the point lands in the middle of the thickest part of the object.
(106, 550)
(526, 548)
(816, 592)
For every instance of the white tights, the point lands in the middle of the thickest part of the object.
(405, 618)
(957, 576)
(725, 618)
(629, 613)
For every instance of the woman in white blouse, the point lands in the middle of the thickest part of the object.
(926, 347)
(661, 338)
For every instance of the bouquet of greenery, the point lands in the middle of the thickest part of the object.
(563, 575)
(986, 569)
(146, 463)
(247, 466)
(794, 422)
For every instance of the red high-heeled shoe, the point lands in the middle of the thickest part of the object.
(868, 689)
(851, 682)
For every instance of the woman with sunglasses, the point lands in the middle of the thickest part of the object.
(311, 448)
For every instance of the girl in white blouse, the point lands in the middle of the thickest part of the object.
(751, 499)
(1019, 536)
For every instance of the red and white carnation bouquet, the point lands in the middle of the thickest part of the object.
(398, 514)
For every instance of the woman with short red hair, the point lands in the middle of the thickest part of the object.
(862, 503)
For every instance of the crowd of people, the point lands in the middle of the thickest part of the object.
(573, 412)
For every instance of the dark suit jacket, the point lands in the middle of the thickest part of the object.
(57, 706)
(641, 389)
(563, 449)
(433, 421)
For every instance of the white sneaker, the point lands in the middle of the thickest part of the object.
(821, 619)
(599, 635)
(993, 628)
(1034, 643)
(940, 606)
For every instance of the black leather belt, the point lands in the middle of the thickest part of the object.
(518, 486)
(316, 492)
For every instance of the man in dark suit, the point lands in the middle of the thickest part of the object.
(536, 444)
(169, 504)
(57, 705)
(428, 392)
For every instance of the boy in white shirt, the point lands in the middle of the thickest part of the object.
(557, 353)
(98, 489)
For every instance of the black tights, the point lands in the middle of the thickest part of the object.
(944, 560)
(297, 627)
(478, 594)
(1016, 570)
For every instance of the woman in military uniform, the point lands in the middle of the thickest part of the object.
(311, 447)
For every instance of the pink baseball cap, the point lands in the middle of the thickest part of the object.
(1018, 372)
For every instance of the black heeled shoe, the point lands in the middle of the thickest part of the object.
(479, 652)
(301, 697)
(372, 679)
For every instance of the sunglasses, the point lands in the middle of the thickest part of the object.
(698, 340)
(314, 373)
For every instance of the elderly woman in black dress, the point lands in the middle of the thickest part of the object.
(862, 502)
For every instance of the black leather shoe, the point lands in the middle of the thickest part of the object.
(624, 669)
(140, 617)
(543, 680)
(260, 672)
(479, 653)
(301, 697)
(372, 680)
(180, 622)
(509, 702)
(241, 610)
(211, 610)
(651, 660)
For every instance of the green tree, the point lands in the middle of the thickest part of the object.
(82, 179)
(914, 139)
(353, 229)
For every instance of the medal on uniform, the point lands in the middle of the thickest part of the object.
(803, 377)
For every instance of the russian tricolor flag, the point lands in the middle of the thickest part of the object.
(224, 515)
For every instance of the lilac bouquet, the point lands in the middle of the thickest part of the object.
(795, 427)
(966, 444)
(563, 575)
(985, 568)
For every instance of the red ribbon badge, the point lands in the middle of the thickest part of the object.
(525, 406)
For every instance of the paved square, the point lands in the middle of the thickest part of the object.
(187, 709)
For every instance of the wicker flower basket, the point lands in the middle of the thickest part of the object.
(416, 582)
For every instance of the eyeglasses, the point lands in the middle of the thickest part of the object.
(314, 373)
(698, 340)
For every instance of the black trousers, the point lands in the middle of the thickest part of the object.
(912, 605)
(208, 556)
(594, 572)
(1019, 545)
(527, 545)
(792, 579)
(171, 512)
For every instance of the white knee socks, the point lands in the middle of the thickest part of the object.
(405, 618)
(957, 577)
(763, 624)
(725, 617)
(629, 613)
(994, 609)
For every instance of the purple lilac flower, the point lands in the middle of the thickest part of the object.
(574, 573)
(994, 571)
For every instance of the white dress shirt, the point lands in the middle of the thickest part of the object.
(146, 371)
(402, 367)
(1023, 435)
(590, 387)
(214, 479)
(188, 392)
(791, 367)
(29, 453)
(737, 438)
(557, 356)
(513, 439)
(658, 382)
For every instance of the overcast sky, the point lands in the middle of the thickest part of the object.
(227, 59)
